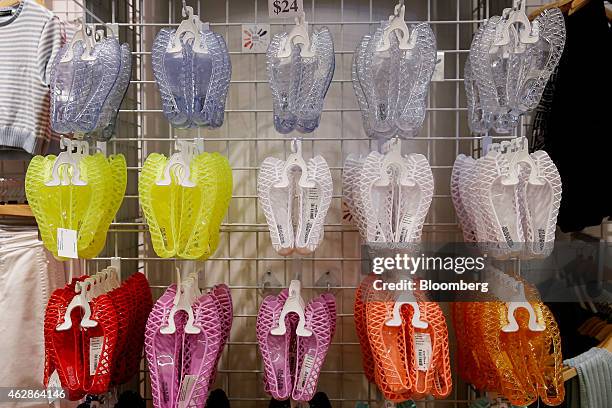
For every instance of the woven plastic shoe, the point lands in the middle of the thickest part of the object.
(416, 67)
(121, 299)
(351, 176)
(313, 204)
(491, 74)
(274, 349)
(163, 352)
(200, 353)
(276, 204)
(461, 167)
(108, 118)
(377, 201)
(283, 79)
(223, 296)
(205, 71)
(530, 70)
(358, 62)
(541, 206)
(414, 200)
(76, 207)
(499, 204)
(478, 120)
(225, 186)
(160, 206)
(388, 346)
(117, 183)
(311, 350)
(196, 208)
(142, 304)
(63, 348)
(97, 374)
(361, 327)
(315, 74)
(171, 72)
(380, 82)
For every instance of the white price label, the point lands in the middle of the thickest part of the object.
(422, 346)
(67, 243)
(185, 389)
(285, 8)
(95, 350)
(307, 366)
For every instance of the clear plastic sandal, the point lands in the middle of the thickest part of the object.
(315, 75)
(491, 73)
(530, 70)
(171, 72)
(416, 67)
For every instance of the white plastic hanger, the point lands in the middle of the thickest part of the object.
(180, 163)
(393, 158)
(294, 160)
(115, 263)
(298, 35)
(406, 298)
(69, 158)
(186, 295)
(517, 151)
(396, 22)
(293, 304)
(79, 300)
(500, 284)
(528, 32)
(191, 26)
(81, 35)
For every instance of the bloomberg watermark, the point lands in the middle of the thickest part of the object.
(458, 272)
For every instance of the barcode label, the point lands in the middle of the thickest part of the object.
(422, 346)
(185, 392)
(307, 365)
(95, 350)
(67, 243)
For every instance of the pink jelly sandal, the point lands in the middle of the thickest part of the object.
(163, 352)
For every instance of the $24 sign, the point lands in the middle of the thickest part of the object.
(285, 8)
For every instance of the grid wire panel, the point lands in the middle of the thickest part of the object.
(245, 254)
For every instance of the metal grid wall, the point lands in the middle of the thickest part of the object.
(245, 254)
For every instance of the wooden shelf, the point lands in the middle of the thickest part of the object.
(15, 210)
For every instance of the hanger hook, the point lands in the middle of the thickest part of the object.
(184, 9)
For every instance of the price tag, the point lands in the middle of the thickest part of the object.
(95, 350)
(67, 243)
(285, 8)
(422, 345)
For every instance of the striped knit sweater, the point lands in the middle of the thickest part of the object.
(29, 38)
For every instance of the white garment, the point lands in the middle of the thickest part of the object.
(28, 276)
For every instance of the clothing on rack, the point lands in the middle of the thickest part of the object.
(28, 275)
(595, 376)
(29, 39)
(572, 121)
